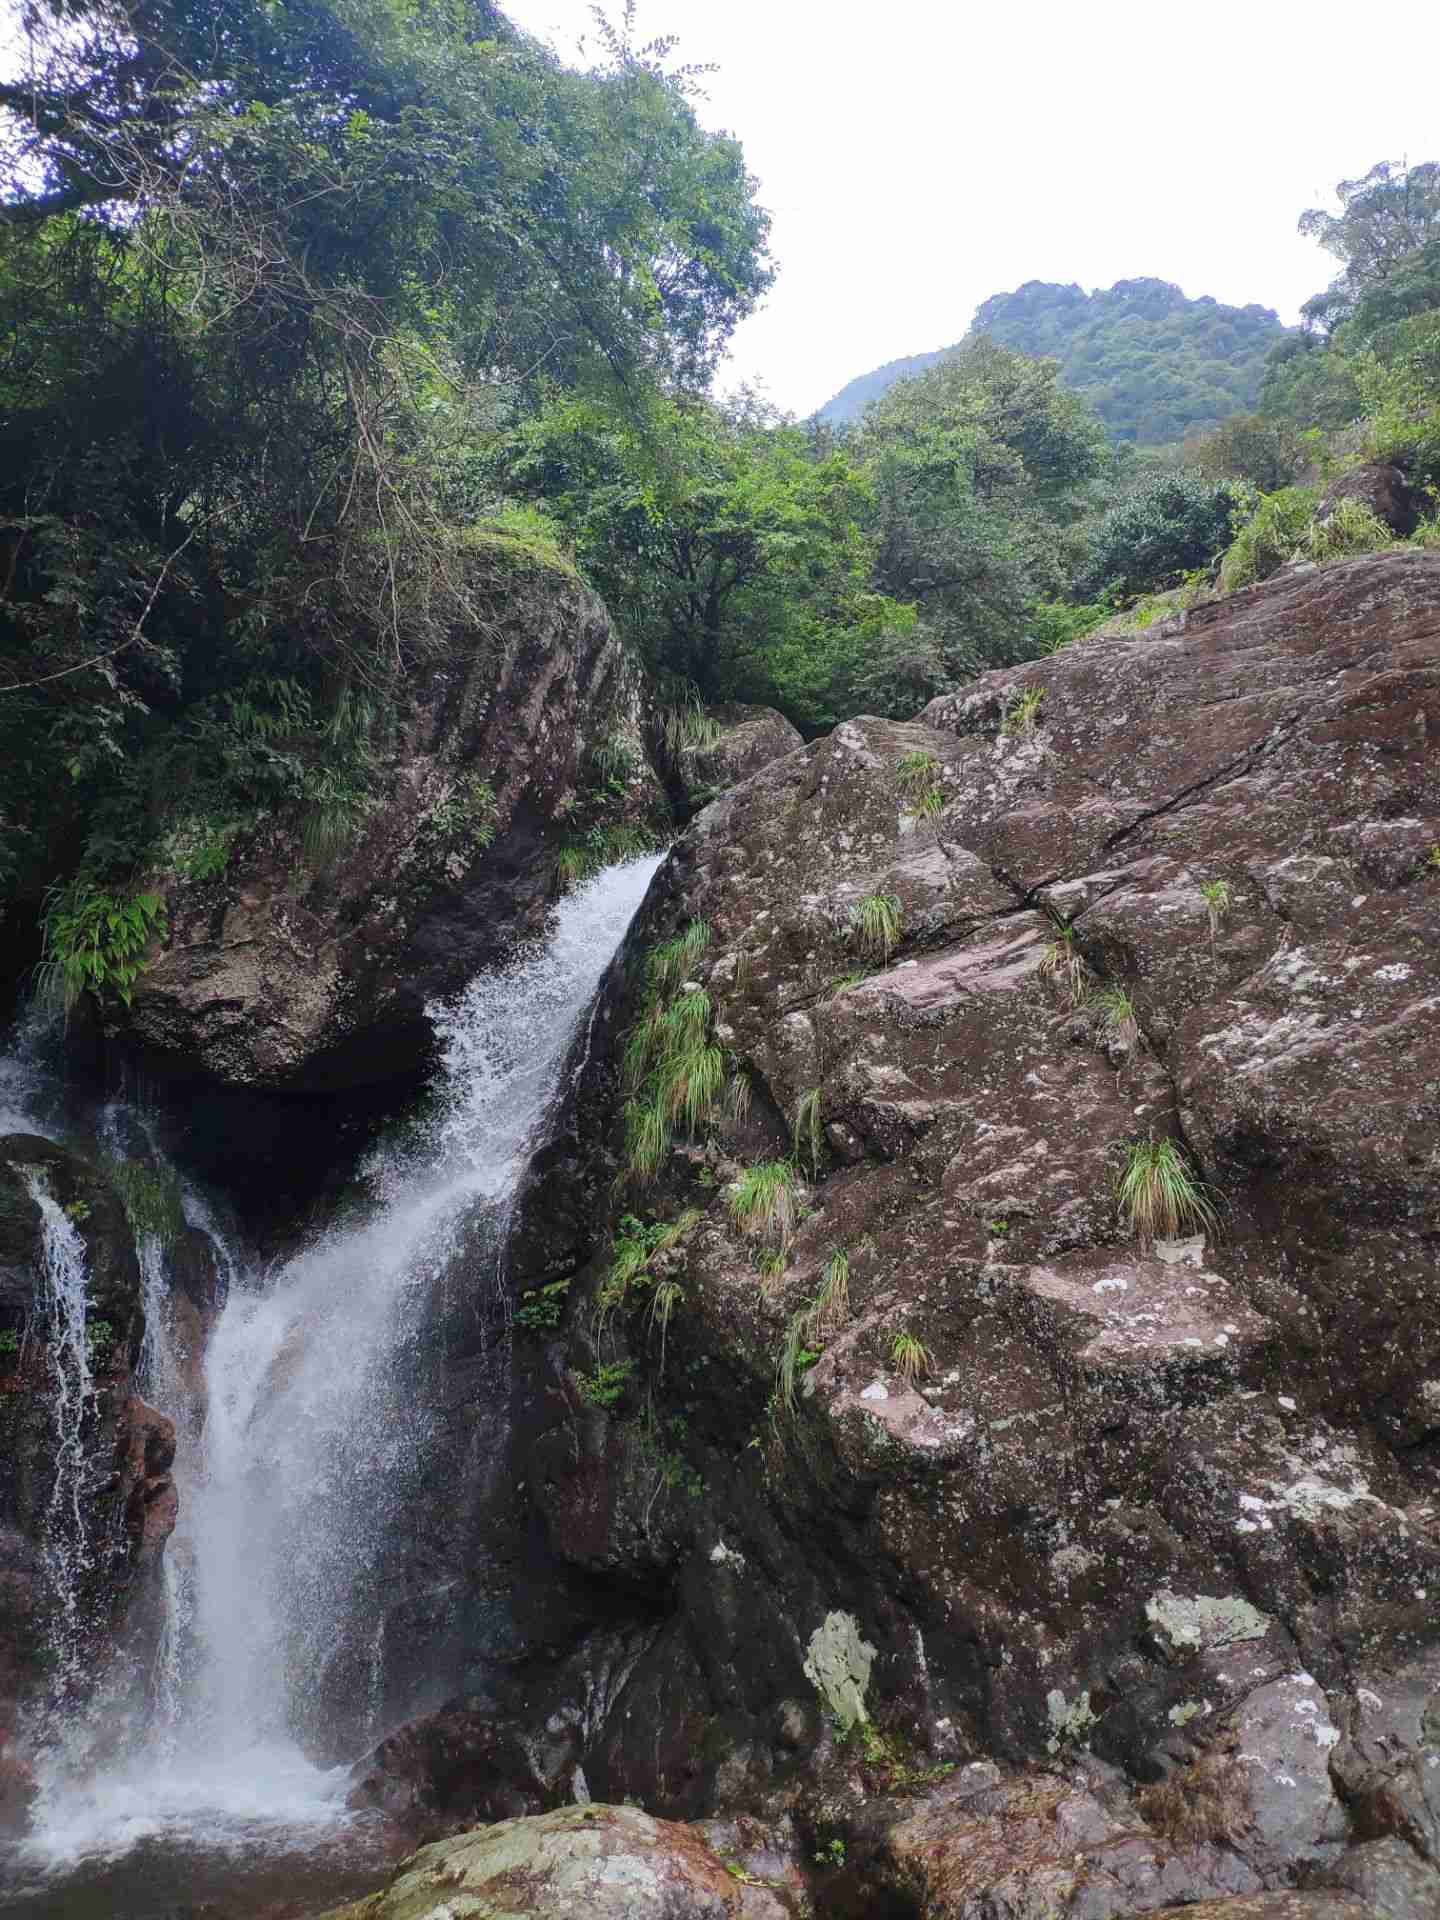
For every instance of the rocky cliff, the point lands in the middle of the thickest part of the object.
(302, 974)
(1030, 1373)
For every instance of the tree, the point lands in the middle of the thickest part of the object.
(727, 542)
(978, 466)
(1386, 215)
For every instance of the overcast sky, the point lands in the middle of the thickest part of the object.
(921, 155)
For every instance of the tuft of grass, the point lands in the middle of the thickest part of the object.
(688, 725)
(1115, 1011)
(806, 1133)
(674, 960)
(875, 923)
(1159, 1195)
(765, 1201)
(910, 1357)
(1434, 860)
(739, 1095)
(770, 1265)
(1061, 963)
(832, 1302)
(918, 776)
(667, 1296)
(1023, 713)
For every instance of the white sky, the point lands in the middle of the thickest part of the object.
(921, 155)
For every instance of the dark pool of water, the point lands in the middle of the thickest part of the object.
(166, 1879)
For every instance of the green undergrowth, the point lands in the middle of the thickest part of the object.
(152, 1198)
(675, 1074)
(95, 942)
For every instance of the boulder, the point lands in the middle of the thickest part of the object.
(1383, 489)
(582, 1863)
(310, 972)
(724, 745)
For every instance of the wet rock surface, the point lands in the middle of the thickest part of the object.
(1141, 1528)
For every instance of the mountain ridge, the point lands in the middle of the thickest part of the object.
(1155, 363)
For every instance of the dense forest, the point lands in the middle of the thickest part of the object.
(316, 322)
(1154, 365)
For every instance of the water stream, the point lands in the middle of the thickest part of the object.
(300, 1452)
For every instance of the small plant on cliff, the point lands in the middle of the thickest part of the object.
(673, 1070)
(542, 1308)
(797, 1356)
(9, 1340)
(667, 1296)
(918, 775)
(832, 1302)
(606, 1386)
(95, 942)
(687, 725)
(1115, 1012)
(875, 924)
(1216, 895)
(1434, 861)
(1022, 716)
(673, 960)
(917, 771)
(910, 1357)
(843, 982)
(765, 1201)
(806, 1134)
(1061, 963)
(1159, 1195)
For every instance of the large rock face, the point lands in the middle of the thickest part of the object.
(1049, 1493)
(301, 975)
(86, 1497)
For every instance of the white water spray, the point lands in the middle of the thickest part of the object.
(288, 1522)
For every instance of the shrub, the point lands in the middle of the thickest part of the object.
(1269, 539)
(1158, 1193)
(1171, 522)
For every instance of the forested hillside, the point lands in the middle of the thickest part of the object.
(1154, 365)
(316, 325)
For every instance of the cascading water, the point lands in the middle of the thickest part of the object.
(313, 1438)
(62, 1318)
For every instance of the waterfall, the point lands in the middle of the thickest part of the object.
(62, 1316)
(320, 1414)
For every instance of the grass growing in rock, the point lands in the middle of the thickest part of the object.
(1061, 963)
(1159, 1196)
(1022, 716)
(910, 1357)
(806, 1133)
(673, 1071)
(918, 777)
(1204, 1804)
(765, 1201)
(875, 925)
(1116, 1016)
